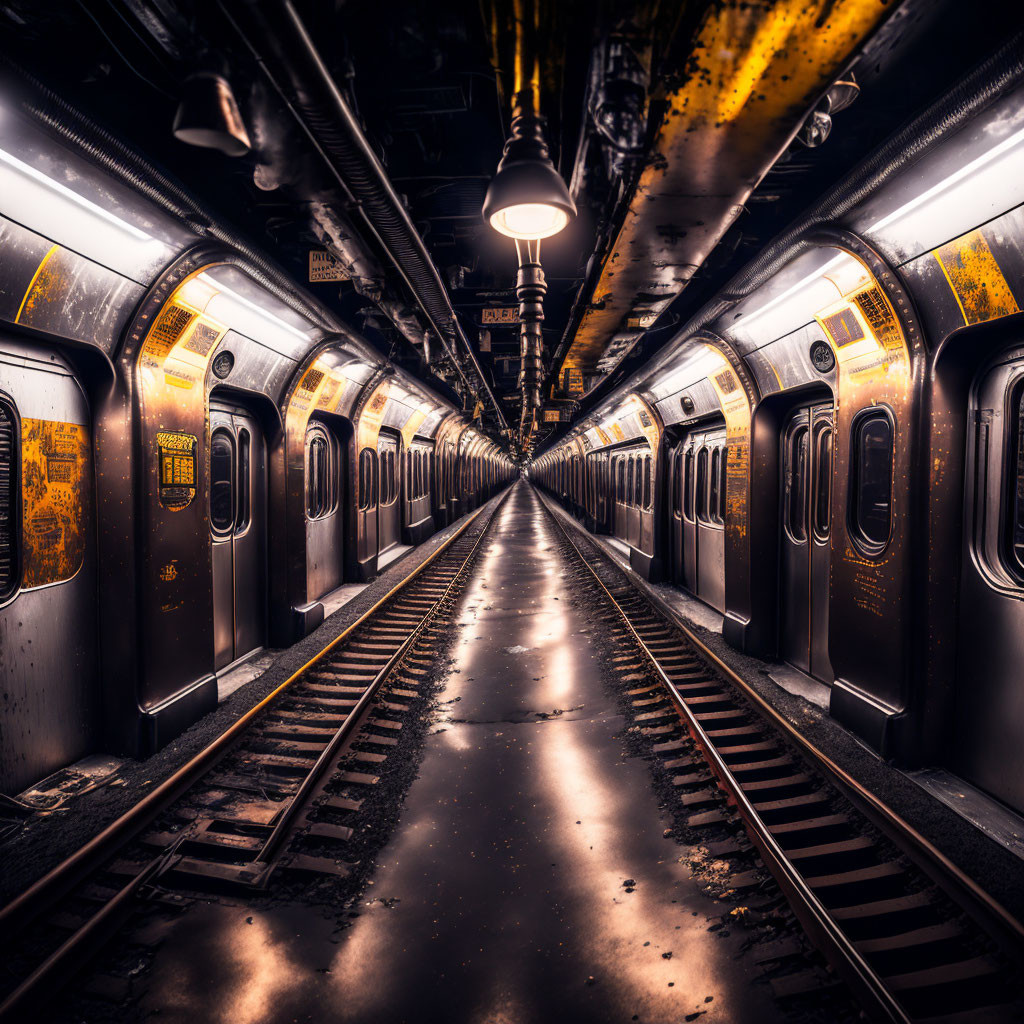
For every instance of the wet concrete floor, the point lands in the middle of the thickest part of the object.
(500, 897)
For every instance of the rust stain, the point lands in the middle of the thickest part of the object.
(736, 410)
(55, 492)
(975, 278)
(35, 286)
(755, 70)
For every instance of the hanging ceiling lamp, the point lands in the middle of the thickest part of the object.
(208, 115)
(527, 199)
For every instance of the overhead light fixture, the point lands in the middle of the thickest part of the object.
(79, 200)
(527, 198)
(241, 300)
(208, 115)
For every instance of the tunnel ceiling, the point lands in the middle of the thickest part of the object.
(429, 86)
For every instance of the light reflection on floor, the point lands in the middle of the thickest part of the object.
(499, 898)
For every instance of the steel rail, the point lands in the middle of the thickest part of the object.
(81, 945)
(809, 909)
(1007, 929)
(57, 882)
(284, 823)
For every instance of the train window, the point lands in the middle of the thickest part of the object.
(688, 484)
(822, 482)
(871, 493)
(647, 482)
(714, 484)
(10, 488)
(702, 486)
(796, 485)
(387, 476)
(677, 484)
(629, 481)
(1014, 531)
(243, 512)
(367, 478)
(222, 481)
(320, 499)
(620, 470)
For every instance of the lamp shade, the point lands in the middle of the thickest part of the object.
(527, 197)
(208, 115)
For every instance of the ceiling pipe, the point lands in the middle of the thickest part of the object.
(278, 40)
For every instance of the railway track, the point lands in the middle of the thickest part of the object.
(273, 796)
(910, 933)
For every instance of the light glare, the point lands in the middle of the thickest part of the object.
(529, 221)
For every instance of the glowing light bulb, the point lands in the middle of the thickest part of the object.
(529, 221)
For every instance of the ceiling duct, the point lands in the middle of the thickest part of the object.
(278, 40)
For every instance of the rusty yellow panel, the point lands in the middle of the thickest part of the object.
(977, 282)
(756, 68)
(40, 285)
(867, 337)
(372, 416)
(56, 484)
(736, 408)
(412, 426)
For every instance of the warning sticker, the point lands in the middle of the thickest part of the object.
(500, 315)
(55, 499)
(177, 455)
(325, 267)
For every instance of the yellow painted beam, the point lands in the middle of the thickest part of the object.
(756, 70)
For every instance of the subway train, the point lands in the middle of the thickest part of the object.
(830, 453)
(191, 457)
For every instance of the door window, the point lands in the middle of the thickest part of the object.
(677, 484)
(715, 485)
(321, 476)
(244, 510)
(367, 478)
(688, 484)
(702, 485)
(222, 481)
(822, 482)
(871, 493)
(796, 485)
(387, 476)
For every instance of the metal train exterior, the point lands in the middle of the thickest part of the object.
(831, 453)
(191, 456)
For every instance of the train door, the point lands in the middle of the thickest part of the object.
(389, 513)
(688, 553)
(989, 702)
(709, 526)
(238, 524)
(48, 656)
(806, 490)
(325, 517)
(675, 511)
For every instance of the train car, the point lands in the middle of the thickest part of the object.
(192, 456)
(838, 474)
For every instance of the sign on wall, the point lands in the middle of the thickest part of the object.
(325, 267)
(177, 454)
